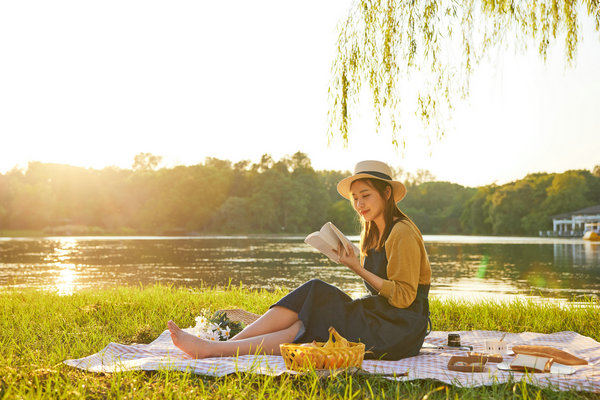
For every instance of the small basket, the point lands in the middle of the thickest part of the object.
(240, 315)
(306, 356)
(467, 364)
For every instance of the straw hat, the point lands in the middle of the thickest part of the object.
(374, 170)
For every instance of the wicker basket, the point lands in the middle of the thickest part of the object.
(239, 315)
(319, 355)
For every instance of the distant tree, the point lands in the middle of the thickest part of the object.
(183, 198)
(398, 174)
(265, 163)
(535, 221)
(232, 216)
(593, 184)
(266, 206)
(4, 200)
(436, 207)
(596, 170)
(568, 192)
(241, 165)
(217, 163)
(146, 162)
(344, 217)
(510, 204)
(116, 204)
(412, 179)
(475, 217)
(538, 217)
(243, 179)
(30, 203)
(285, 196)
(3, 217)
(419, 177)
(381, 42)
(330, 179)
(299, 160)
(311, 194)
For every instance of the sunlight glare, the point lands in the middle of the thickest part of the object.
(65, 283)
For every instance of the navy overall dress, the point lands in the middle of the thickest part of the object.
(388, 332)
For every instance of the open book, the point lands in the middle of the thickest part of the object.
(327, 240)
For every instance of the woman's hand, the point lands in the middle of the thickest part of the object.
(347, 257)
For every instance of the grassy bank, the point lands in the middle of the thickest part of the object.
(39, 330)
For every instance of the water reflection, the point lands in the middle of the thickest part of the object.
(582, 254)
(550, 270)
(466, 267)
(65, 282)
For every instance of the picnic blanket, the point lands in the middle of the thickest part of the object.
(429, 364)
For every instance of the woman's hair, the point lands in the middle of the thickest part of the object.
(369, 232)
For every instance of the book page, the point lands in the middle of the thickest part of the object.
(343, 239)
(329, 235)
(328, 239)
(323, 244)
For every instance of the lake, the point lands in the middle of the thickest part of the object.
(463, 266)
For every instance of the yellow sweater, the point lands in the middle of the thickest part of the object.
(408, 265)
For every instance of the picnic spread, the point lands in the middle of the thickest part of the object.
(580, 353)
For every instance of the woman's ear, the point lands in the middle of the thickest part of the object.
(388, 192)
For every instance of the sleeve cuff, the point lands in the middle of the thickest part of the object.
(387, 288)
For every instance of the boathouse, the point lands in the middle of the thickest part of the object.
(576, 223)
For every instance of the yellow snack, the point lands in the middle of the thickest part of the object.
(330, 355)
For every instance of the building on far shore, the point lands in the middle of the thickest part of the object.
(576, 223)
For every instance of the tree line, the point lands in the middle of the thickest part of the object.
(270, 196)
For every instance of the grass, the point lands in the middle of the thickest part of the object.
(38, 330)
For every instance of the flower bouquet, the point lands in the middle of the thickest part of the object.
(218, 327)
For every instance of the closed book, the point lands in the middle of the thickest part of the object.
(525, 362)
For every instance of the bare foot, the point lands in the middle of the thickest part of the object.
(190, 344)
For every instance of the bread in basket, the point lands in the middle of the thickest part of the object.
(318, 355)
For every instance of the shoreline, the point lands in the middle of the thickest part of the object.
(465, 299)
(35, 234)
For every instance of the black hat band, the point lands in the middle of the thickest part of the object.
(377, 174)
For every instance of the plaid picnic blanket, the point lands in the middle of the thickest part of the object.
(429, 364)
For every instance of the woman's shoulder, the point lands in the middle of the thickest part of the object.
(402, 228)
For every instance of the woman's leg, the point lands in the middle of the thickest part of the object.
(200, 348)
(275, 319)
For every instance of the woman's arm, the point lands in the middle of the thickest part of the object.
(404, 251)
(404, 255)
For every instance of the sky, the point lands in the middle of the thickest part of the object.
(93, 84)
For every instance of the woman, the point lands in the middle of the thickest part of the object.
(392, 321)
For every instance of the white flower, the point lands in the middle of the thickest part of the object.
(213, 336)
(205, 329)
(201, 329)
